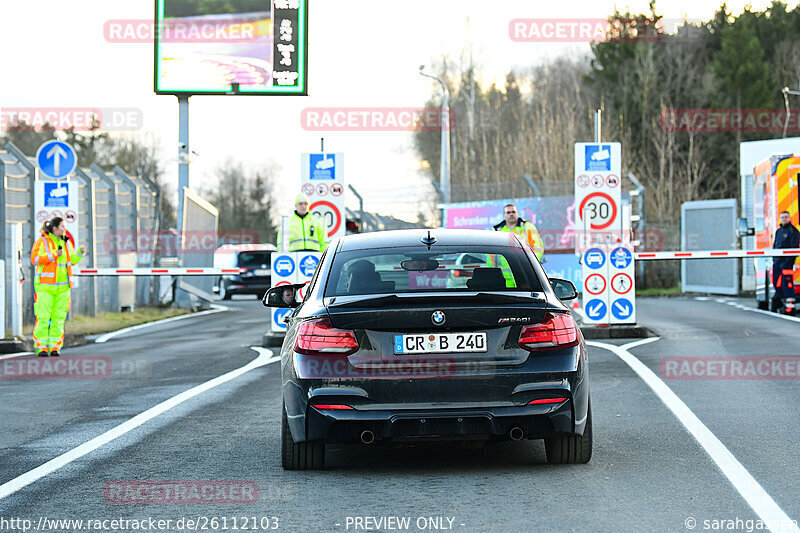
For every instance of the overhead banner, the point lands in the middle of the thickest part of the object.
(322, 180)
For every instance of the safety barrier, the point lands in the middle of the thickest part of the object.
(170, 271)
(712, 254)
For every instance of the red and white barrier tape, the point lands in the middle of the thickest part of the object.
(171, 271)
(714, 254)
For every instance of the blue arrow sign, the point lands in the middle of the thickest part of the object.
(621, 257)
(283, 266)
(594, 258)
(56, 159)
(277, 317)
(622, 308)
(595, 309)
(308, 264)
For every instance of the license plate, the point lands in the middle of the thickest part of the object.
(440, 343)
(261, 272)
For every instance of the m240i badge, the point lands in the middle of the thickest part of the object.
(514, 320)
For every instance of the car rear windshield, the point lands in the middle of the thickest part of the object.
(478, 268)
(254, 259)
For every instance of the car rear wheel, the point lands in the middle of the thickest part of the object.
(571, 449)
(299, 456)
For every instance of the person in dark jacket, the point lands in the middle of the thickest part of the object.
(786, 236)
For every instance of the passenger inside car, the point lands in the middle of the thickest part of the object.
(487, 279)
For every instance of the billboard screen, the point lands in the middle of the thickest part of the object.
(210, 46)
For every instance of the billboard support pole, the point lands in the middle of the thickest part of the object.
(183, 154)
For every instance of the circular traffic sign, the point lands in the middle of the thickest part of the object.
(322, 189)
(69, 216)
(308, 189)
(41, 216)
(56, 213)
(594, 258)
(595, 284)
(621, 283)
(602, 207)
(329, 213)
(583, 181)
(284, 282)
(622, 308)
(612, 180)
(56, 159)
(337, 189)
(598, 181)
(595, 309)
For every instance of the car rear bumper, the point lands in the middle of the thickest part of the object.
(426, 423)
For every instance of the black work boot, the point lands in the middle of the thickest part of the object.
(54, 353)
(42, 354)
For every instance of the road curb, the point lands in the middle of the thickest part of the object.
(625, 331)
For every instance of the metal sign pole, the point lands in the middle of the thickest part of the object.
(183, 154)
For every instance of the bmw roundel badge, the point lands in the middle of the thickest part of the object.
(438, 318)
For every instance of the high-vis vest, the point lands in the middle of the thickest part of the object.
(306, 233)
(51, 270)
(528, 231)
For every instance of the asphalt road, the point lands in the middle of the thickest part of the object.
(650, 471)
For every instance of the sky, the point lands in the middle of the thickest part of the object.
(362, 53)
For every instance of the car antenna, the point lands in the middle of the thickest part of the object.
(429, 240)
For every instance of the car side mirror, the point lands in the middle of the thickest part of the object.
(564, 289)
(742, 230)
(279, 297)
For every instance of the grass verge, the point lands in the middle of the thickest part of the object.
(105, 322)
(655, 291)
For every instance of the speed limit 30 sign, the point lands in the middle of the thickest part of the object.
(598, 206)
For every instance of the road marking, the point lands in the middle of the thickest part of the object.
(215, 308)
(737, 305)
(752, 492)
(11, 355)
(10, 487)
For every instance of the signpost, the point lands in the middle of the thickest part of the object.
(57, 160)
(607, 257)
(322, 179)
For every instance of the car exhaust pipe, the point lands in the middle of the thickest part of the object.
(367, 436)
(516, 433)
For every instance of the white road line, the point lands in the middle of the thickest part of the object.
(752, 492)
(737, 305)
(12, 355)
(10, 487)
(215, 308)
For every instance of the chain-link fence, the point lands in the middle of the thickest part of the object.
(119, 223)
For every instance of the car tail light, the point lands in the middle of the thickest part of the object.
(319, 337)
(546, 400)
(335, 407)
(462, 273)
(555, 331)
